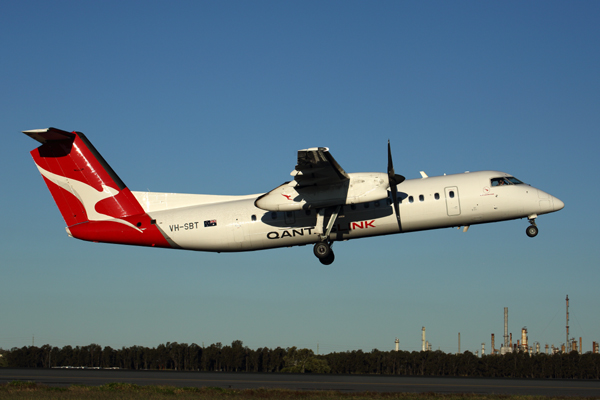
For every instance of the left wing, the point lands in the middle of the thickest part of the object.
(316, 166)
(319, 181)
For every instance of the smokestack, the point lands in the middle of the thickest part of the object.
(397, 344)
(567, 341)
(493, 344)
(580, 349)
(506, 327)
(458, 342)
(423, 339)
(524, 339)
(511, 341)
(482, 349)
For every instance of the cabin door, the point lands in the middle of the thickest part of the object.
(452, 201)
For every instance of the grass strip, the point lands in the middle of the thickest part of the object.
(129, 391)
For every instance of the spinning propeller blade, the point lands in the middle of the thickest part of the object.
(394, 181)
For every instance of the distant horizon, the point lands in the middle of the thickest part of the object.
(514, 348)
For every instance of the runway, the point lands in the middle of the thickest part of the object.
(342, 383)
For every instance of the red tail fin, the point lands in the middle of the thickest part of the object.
(93, 200)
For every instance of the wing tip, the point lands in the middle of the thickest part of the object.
(316, 149)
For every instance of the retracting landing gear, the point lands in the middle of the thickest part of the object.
(322, 248)
(532, 230)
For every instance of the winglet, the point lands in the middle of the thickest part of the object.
(423, 175)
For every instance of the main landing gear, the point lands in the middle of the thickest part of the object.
(324, 253)
(322, 248)
(532, 230)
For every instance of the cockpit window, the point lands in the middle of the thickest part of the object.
(509, 180)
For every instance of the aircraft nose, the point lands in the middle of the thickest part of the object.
(549, 203)
(558, 204)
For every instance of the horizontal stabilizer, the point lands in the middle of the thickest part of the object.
(49, 135)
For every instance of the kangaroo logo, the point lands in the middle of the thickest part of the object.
(87, 195)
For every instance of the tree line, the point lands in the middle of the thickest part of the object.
(239, 358)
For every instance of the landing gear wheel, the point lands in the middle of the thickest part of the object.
(329, 259)
(531, 231)
(322, 250)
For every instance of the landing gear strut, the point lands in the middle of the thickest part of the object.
(532, 230)
(322, 248)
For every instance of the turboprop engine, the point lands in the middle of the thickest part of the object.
(359, 188)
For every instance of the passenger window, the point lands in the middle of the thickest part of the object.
(437, 196)
(376, 204)
(421, 197)
(410, 199)
(451, 194)
(366, 205)
(273, 215)
(353, 206)
(253, 217)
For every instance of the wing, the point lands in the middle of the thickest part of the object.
(319, 181)
(316, 166)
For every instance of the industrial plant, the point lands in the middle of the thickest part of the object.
(523, 344)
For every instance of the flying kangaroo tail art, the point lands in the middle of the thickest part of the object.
(94, 202)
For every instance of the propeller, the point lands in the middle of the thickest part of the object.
(394, 180)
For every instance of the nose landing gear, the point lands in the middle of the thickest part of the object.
(532, 230)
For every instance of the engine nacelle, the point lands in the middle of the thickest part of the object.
(360, 188)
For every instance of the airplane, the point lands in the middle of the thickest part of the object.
(321, 205)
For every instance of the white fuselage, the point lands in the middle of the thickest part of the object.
(234, 223)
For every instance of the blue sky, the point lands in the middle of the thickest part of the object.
(217, 97)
